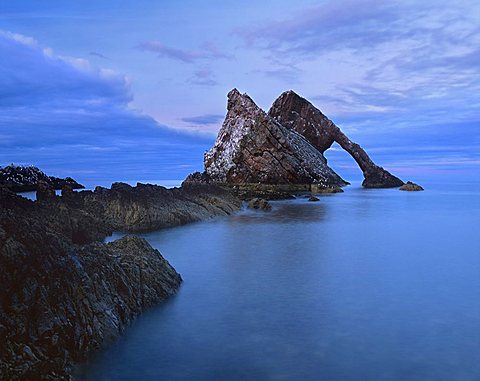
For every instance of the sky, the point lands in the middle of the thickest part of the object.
(136, 90)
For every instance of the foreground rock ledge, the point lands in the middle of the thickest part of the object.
(65, 293)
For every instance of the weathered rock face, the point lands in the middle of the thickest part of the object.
(25, 179)
(252, 147)
(298, 114)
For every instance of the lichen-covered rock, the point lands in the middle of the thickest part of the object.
(298, 114)
(411, 187)
(252, 147)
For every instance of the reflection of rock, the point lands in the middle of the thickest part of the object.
(298, 114)
(25, 179)
(252, 148)
(313, 199)
(259, 203)
(411, 187)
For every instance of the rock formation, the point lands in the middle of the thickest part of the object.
(298, 114)
(25, 179)
(65, 293)
(252, 147)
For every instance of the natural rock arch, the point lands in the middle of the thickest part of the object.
(296, 113)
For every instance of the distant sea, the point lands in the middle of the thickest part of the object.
(363, 285)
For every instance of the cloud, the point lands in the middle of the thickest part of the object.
(371, 56)
(203, 77)
(203, 120)
(72, 118)
(99, 55)
(208, 51)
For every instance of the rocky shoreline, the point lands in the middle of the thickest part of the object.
(64, 292)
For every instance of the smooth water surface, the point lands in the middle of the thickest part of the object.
(364, 285)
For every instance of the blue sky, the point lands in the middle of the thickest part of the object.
(125, 90)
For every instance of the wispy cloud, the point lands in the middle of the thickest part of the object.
(203, 120)
(203, 77)
(99, 55)
(209, 50)
(371, 56)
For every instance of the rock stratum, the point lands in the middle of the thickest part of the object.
(64, 292)
(25, 179)
(282, 148)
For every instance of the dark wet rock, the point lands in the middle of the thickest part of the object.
(313, 199)
(67, 190)
(252, 148)
(24, 179)
(45, 191)
(411, 187)
(65, 293)
(259, 203)
(298, 114)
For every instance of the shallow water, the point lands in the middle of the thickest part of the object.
(364, 285)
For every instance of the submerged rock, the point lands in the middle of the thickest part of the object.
(259, 203)
(253, 148)
(313, 199)
(411, 187)
(298, 114)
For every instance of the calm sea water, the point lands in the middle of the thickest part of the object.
(364, 285)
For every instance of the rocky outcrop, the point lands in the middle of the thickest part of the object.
(252, 147)
(411, 187)
(65, 293)
(25, 179)
(298, 114)
(148, 207)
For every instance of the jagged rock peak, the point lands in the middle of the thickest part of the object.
(251, 147)
(297, 113)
